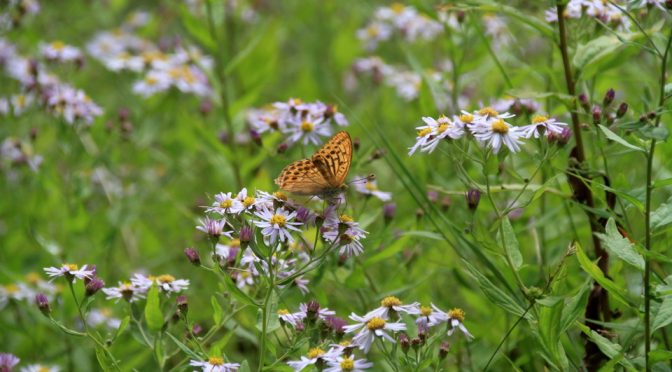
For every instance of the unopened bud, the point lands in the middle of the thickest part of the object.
(443, 350)
(597, 114)
(93, 286)
(192, 256)
(446, 202)
(224, 137)
(282, 148)
(182, 305)
(123, 114)
(389, 210)
(433, 196)
(610, 118)
(584, 102)
(42, 303)
(473, 197)
(668, 4)
(256, 137)
(404, 342)
(622, 110)
(415, 343)
(205, 107)
(312, 310)
(608, 98)
(419, 213)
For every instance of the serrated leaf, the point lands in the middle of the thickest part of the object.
(619, 246)
(495, 295)
(591, 269)
(664, 315)
(662, 215)
(511, 244)
(153, 315)
(217, 312)
(616, 138)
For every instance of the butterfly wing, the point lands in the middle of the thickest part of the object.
(303, 178)
(333, 160)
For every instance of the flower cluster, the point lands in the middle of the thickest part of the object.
(280, 223)
(14, 153)
(182, 69)
(488, 126)
(58, 51)
(137, 287)
(398, 20)
(27, 289)
(298, 121)
(40, 87)
(604, 11)
(387, 323)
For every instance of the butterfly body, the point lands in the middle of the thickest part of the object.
(324, 173)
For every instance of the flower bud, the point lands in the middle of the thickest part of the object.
(94, 271)
(608, 98)
(123, 114)
(419, 213)
(245, 235)
(446, 202)
(622, 110)
(416, 342)
(443, 350)
(433, 196)
(404, 342)
(583, 101)
(42, 303)
(224, 137)
(389, 210)
(312, 310)
(597, 114)
(282, 148)
(610, 118)
(93, 286)
(192, 256)
(196, 329)
(182, 305)
(256, 137)
(668, 4)
(205, 107)
(473, 197)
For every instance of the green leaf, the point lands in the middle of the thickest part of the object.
(594, 50)
(495, 295)
(217, 312)
(575, 307)
(272, 320)
(183, 347)
(616, 138)
(122, 327)
(591, 269)
(511, 244)
(656, 356)
(610, 349)
(237, 293)
(244, 367)
(619, 246)
(664, 315)
(655, 133)
(662, 215)
(153, 315)
(103, 360)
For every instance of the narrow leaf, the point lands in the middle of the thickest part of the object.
(183, 347)
(122, 327)
(591, 269)
(574, 307)
(619, 246)
(153, 315)
(511, 244)
(217, 311)
(662, 215)
(610, 349)
(616, 138)
(664, 315)
(494, 294)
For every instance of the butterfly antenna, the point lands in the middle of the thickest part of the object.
(369, 178)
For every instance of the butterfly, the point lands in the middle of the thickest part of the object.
(324, 173)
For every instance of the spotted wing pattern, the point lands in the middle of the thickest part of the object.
(323, 173)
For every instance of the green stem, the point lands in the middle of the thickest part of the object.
(264, 322)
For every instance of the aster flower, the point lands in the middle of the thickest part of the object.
(342, 231)
(96, 317)
(542, 125)
(370, 187)
(307, 129)
(15, 291)
(214, 228)
(228, 252)
(8, 361)
(215, 364)
(430, 317)
(290, 318)
(248, 202)
(347, 364)
(70, 272)
(456, 321)
(277, 225)
(369, 328)
(58, 51)
(392, 305)
(263, 121)
(153, 82)
(226, 203)
(126, 290)
(39, 368)
(496, 132)
(314, 356)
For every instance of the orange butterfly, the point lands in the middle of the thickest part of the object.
(324, 173)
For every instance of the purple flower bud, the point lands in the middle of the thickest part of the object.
(42, 303)
(433, 196)
(256, 137)
(473, 197)
(585, 103)
(224, 137)
(405, 342)
(123, 114)
(562, 138)
(336, 325)
(193, 256)
(416, 342)
(608, 98)
(94, 270)
(443, 350)
(303, 215)
(389, 210)
(622, 109)
(446, 202)
(597, 114)
(246, 234)
(205, 107)
(282, 148)
(196, 329)
(312, 309)
(182, 305)
(93, 286)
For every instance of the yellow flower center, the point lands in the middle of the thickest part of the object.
(280, 195)
(539, 119)
(372, 31)
(375, 323)
(153, 56)
(347, 364)
(344, 343)
(424, 132)
(43, 369)
(216, 361)
(390, 301)
(58, 45)
(226, 203)
(283, 312)
(279, 220)
(467, 118)
(443, 128)
(425, 310)
(345, 218)
(307, 126)
(315, 352)
(71, 267)
(397, 7)
(105, 312)
(457, 314)
(235, 243)
(150, 80)
(249, 201)
(488, 111)
(165, 278)
(499, 126)
(126, 287)
(33, 278)
(371, 186)
(11, 288)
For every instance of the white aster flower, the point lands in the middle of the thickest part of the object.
(306, 129)
(127, 291)
(214, 227)
(314, 355)
(58, 51)
(292, 319)
(40, 368)
(154, 82)
(215, 364)
(226, 204)
(430, 317)
(347, 364)
(370, 187)
(70, 272)
(456, 321)
(542, 125)
(277, 225)
(342, 231)
(369, 328)
(496, 132)
(97, 317)
(390, 305)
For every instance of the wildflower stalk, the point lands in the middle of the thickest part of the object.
(264, 319)
(647, 213)
(598, 300)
